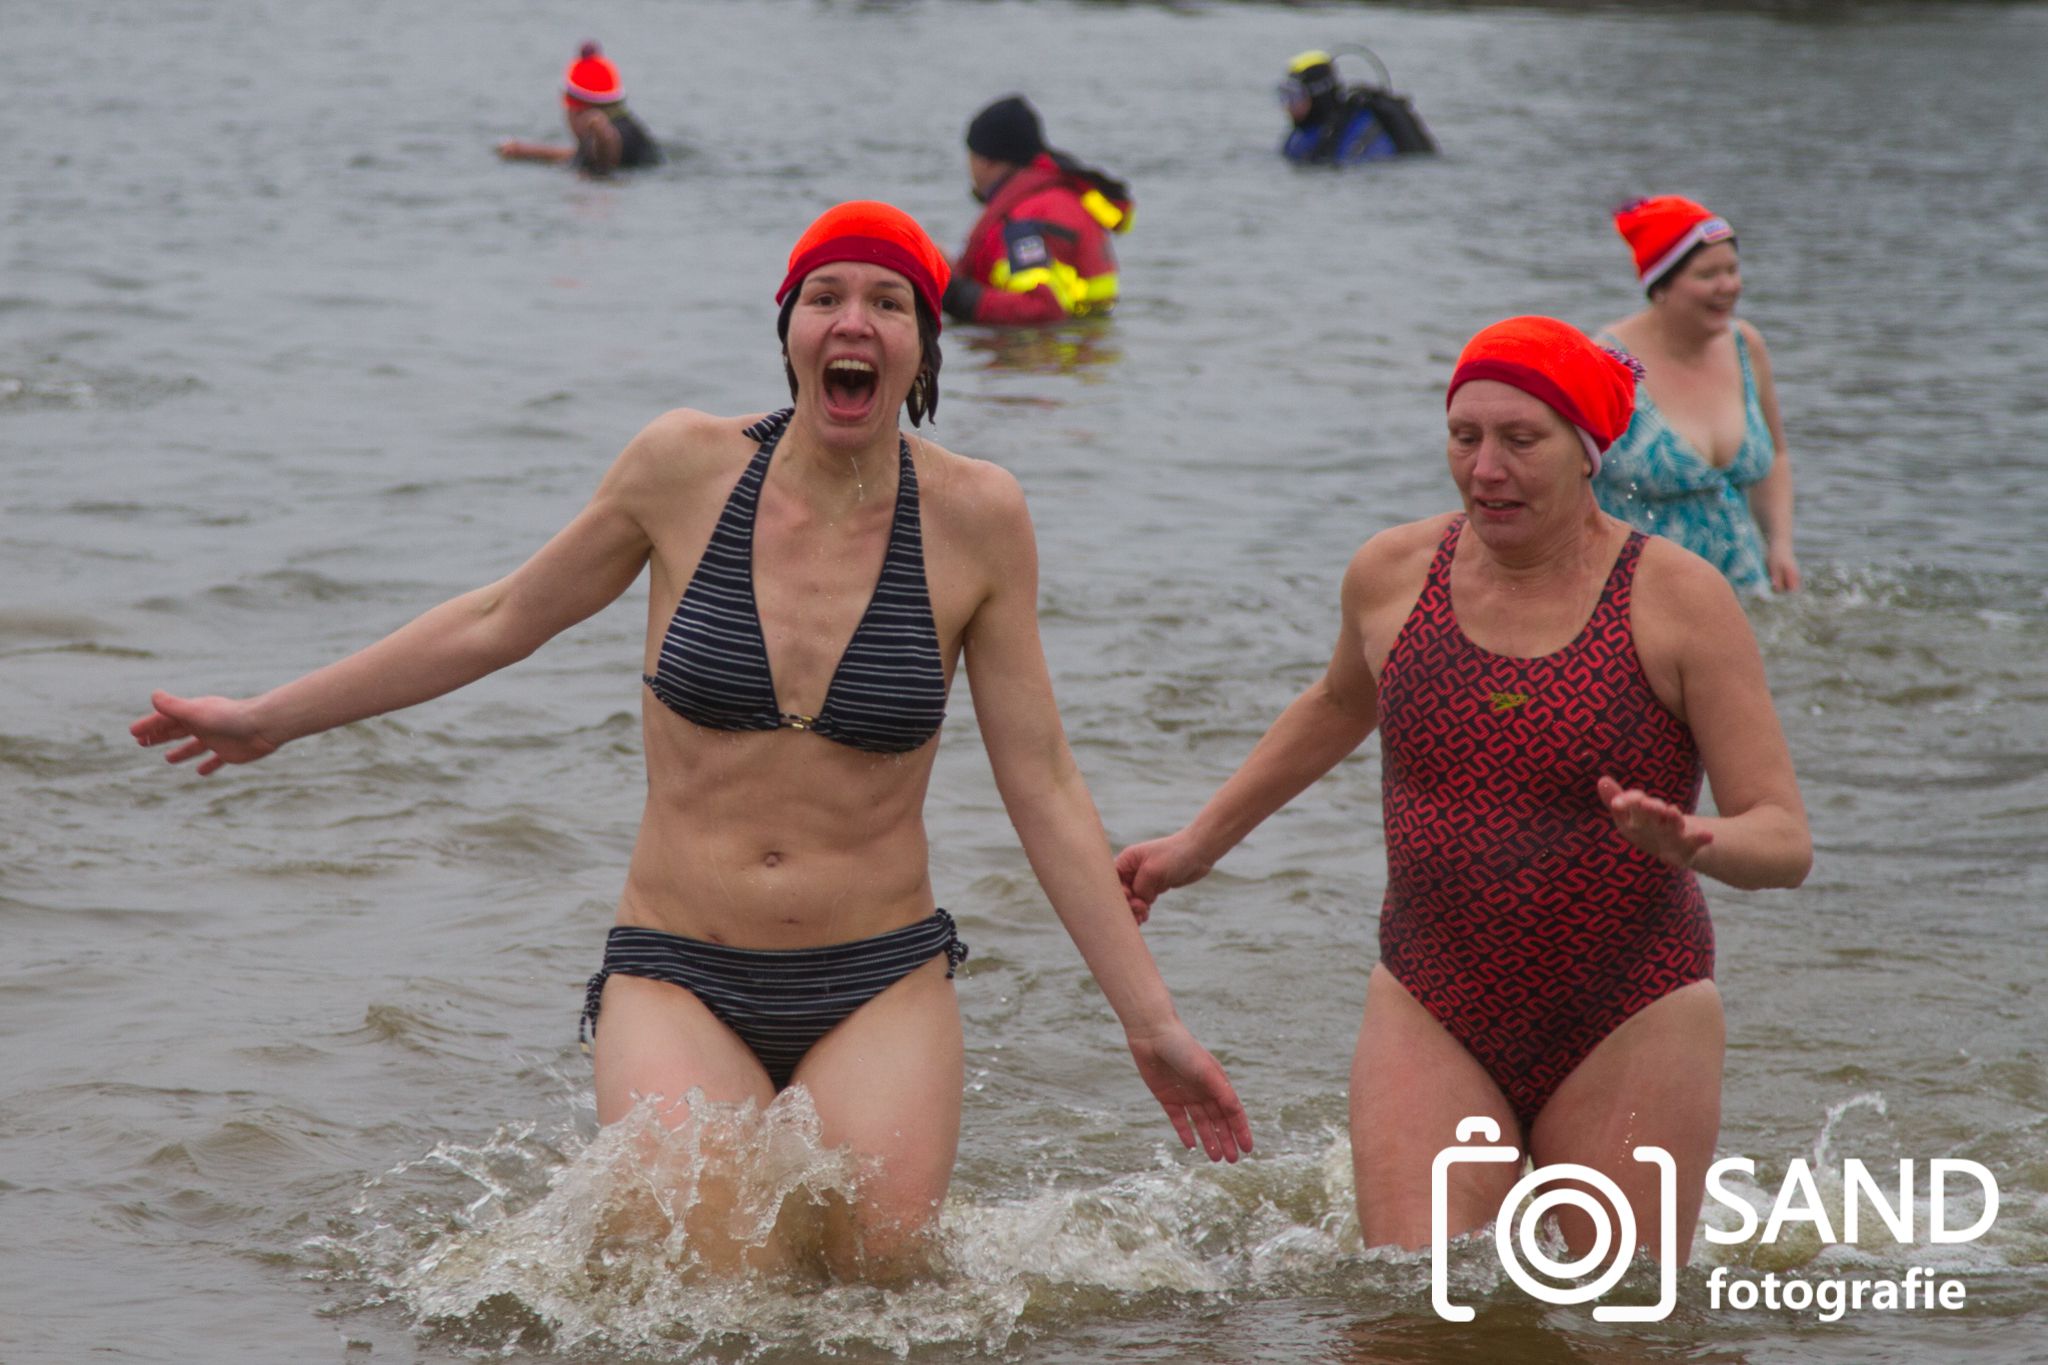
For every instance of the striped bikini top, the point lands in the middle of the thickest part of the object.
(888, 695)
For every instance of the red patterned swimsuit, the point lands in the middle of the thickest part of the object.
(1515, 911)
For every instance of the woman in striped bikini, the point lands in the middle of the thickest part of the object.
(1549, 686)
(778, 924)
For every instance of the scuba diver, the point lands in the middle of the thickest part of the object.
(608, 137)
(1337, 124)
(1040, 251)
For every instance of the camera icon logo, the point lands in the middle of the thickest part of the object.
(1518, 1240)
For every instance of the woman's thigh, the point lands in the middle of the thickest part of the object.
(656, 1043)
(658, 1040)
(1655, 1081)
(887, 1084)
(1411, 1084)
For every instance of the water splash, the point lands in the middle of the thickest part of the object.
(636, 1242)
(640, 1240)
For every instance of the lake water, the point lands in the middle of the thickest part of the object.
(288, 1061)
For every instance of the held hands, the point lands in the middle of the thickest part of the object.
(1656, 827)
(1191, 1087)
(220, 727)
(1150, 869)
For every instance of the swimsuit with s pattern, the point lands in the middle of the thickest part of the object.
(1516, 912)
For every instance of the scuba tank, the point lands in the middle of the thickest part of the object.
(1393, 111)
(1396, 113)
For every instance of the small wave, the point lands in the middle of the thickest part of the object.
(296, 585)
(66, 389)
(1831, 590)
(23, 625)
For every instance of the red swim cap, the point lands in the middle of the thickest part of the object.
(878, 233)
(1661, 230)
(592, 79)
(1590, 386)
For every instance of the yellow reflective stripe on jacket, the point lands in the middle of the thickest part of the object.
(1077, 296)
(1102, 211)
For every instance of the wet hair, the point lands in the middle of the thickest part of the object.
(1664, 280)
(923, 400)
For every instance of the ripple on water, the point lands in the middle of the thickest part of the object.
(63, 386)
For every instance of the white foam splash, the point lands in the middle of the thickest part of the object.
(518, 1245)
(522, 1245)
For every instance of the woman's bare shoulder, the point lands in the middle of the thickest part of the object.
(684, 445)
(974, 497)
(1755, 339)
(1400, 551)
(1678, 586)
(1622, 330)
(1387, 572)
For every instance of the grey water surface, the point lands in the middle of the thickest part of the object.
(288, 1057)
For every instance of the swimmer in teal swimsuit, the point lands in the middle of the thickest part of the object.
(1704, 461)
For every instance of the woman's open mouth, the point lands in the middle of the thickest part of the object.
(850, 387)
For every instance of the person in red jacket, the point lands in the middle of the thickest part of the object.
(1040, 252)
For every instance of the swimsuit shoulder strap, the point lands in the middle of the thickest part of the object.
(1439, 580)
(1612, 611)
(1431, 616)
(734, 533)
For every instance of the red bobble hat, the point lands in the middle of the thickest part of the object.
(592, 79)
(1661, 230)
(878, 233)
(1590, 386)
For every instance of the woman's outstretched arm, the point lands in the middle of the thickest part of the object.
(584, 568)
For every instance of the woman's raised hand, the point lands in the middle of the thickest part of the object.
(1656, 827)
(222, 728)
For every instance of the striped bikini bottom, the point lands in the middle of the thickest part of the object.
(780, 1001)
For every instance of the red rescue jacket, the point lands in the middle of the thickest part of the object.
(1040, 252)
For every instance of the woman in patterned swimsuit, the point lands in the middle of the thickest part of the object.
(1704, 460)
(1549, 686)
(778, 923)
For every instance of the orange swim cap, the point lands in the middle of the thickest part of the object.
(1588, 385)
(878, 233)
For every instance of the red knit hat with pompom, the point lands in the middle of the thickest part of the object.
(1661, 230)
(592, 79)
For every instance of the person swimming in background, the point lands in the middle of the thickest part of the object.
(1040, 253)
(1704, 460)
(608, 137)
(1340, 125)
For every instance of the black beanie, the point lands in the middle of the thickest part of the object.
(1007, 130)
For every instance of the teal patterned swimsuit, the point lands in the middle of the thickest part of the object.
(1654, 480)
